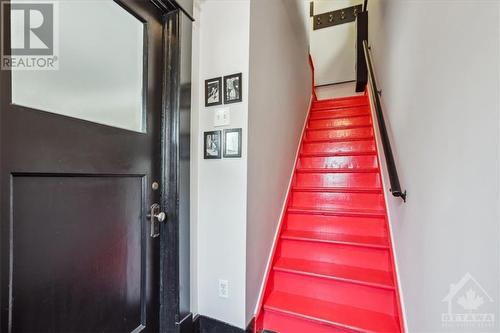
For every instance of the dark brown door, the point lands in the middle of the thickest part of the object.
(80, 152)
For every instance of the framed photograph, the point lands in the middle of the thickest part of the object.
(232, 142)
(232, 88)
(212, 145)
(213, 91)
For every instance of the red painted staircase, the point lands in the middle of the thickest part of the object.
(332, 267)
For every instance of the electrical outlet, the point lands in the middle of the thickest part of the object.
(223, 288)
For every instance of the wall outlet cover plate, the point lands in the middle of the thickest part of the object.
(222, 117)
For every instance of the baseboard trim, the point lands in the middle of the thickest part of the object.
(204, 324)
(186, 324)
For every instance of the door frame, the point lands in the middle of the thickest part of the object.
(173, 319)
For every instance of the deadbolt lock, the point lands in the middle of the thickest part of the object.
(155, 217)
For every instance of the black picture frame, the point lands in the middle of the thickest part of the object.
(233, 88)
(229, 151)
(212, 142)
(213, 86)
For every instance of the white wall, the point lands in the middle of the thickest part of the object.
(438, 66)
(333, 49)
(270, 38)
(280, 91)
(221, 33)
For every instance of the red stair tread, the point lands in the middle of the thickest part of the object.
(345, 162)
(344, 139)
(341, 153)
(339, 134)
(344, 180)
(340, 112)
(347, 239)
(336, 115)
(336, 315)
(371, 277)
(337, 189)
(339, 146)
(337, 170)
(331, 107)
(342, 212)
(339, 123)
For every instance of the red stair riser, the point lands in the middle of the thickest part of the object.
(339, 147)
(339, 162)
(340, 122)
(362, 276)
(375, 227)
(352, 180)
(321, 108)
(354, 112)
(351, 99)
(313, 200)
(336, 253)
(339, 292)
(282, 323)
(353, 133)
(347, 102)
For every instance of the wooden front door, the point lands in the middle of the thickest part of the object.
(79, 162)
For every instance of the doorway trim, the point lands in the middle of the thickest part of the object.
(173, 264)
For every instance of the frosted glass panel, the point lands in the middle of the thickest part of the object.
(100, 75)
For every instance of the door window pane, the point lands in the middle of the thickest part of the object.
(101, 63)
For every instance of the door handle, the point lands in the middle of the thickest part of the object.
(155, 217)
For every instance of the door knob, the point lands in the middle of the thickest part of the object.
(160, 216)
(155, 217)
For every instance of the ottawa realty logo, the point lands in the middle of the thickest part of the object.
(469, 306)
(31, 40)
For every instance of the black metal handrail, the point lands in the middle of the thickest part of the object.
(389, 157)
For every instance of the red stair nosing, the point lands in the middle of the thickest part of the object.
(336, 315)
(319, 108)
(343, 139)
(339, 212)
(337, 112)
(343, 239)
(340, 122)
(357, 275)
(338, 127)
(375, 190)
(337, 170)
(317, 105)
(339, 104)
(340, 116)
(347, 153)
(324, 105)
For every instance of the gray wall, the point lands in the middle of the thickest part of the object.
(279, 94)
(438, 66)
